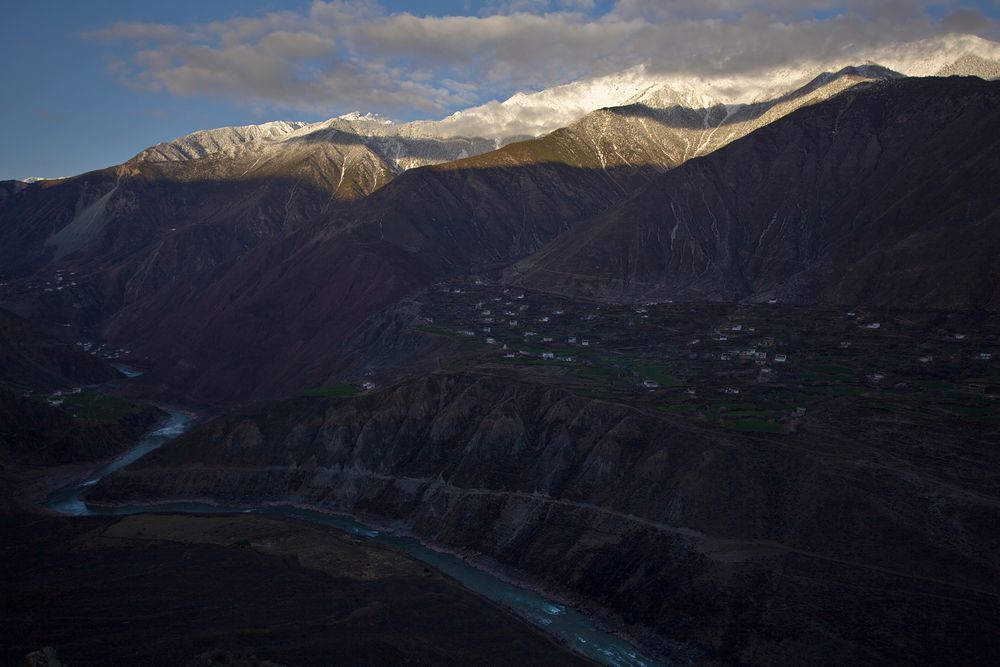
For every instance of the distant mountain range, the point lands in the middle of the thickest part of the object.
(526, 115)
(282, 238)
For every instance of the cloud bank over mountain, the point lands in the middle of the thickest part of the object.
(338, 56)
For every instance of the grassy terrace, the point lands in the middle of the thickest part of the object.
(335, 391)
(702, 360)
(95, 406)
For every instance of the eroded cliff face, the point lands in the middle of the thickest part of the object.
(882, 195)
(758, 550)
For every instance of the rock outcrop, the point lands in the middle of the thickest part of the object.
(753, 549)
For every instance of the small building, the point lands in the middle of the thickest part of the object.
(367, 385)
(873, 325)
(985, 356)
(650, 384)
(780, 358)
(548, 355)
(491, 341)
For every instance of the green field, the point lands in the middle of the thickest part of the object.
(335, 391)
(95, 406)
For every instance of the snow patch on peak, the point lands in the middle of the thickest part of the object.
(942, 56)
(39, 179)
(357, 116)
(219, 140)
(536, 113)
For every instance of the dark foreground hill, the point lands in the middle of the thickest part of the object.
(185, 591)
(811, 549)
(885, 195)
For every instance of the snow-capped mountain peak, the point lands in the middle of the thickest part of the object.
(532, 114)
(357, 116)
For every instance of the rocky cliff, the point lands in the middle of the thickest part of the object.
(760, 550)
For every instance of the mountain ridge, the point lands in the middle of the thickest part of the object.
(783, 213)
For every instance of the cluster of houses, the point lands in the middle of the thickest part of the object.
(510, 316)
(515, 324)
(103, 349)
(61, 280)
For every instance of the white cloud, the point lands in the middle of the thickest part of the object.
(338, 56)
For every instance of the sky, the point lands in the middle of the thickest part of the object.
(89, 84)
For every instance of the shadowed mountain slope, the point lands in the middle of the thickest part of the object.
(884, 195)
(203, 263)
(752, 550)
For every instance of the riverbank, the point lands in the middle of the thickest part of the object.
(163, 589)
(564, 623)
(567, 622)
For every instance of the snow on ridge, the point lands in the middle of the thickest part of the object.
(39, 179)
(937, 55)
(532, 114)
(369, 117)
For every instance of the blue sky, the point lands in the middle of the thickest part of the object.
(89, 84)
